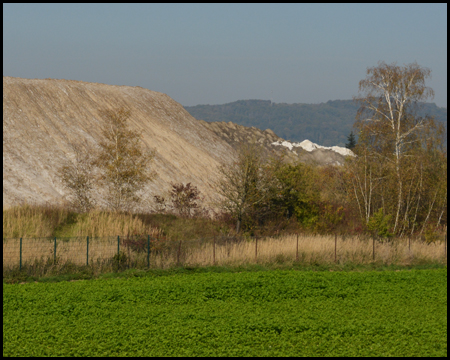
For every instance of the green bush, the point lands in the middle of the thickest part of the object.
(379, 225)
(120, 261)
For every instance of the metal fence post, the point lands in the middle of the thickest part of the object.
(87, 250)
(148, 251)
(296, 253)
(118, 253)
(178, 253)
(335, 246)
(54, 253)
(373, 251)
(20, 261)
(214, 250)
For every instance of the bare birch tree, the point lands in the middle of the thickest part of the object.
(391, 130)
(365, 176)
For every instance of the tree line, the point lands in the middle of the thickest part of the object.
(396, 185)
(326, 124)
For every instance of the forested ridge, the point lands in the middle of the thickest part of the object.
(327, 124)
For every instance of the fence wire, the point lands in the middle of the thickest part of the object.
(43, 256)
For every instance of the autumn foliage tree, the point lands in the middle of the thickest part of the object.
(123, 162)
(244, 183)
(185, 199)
(295, 193)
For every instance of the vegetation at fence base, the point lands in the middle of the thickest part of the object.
(276, 313)
(116, 269)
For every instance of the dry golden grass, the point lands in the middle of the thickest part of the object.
(311, 250)
(103, 223)
(319, 250)
(41, 221)
(69, 250)
(32, 221)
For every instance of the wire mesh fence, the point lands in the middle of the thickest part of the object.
(43, 256)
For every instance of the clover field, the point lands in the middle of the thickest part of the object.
(268, 313)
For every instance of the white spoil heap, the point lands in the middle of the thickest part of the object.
(310, 146)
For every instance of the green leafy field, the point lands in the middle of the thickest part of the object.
(272, 313)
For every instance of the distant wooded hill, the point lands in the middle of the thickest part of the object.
(326, 124)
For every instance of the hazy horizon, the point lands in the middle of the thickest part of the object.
(301, 103)
(201, 54)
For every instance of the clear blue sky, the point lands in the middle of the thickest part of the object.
(219, 53)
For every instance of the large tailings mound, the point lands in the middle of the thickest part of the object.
(41, 118)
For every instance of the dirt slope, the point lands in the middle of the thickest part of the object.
(42, 117)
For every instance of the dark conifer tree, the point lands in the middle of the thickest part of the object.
(351, 141)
